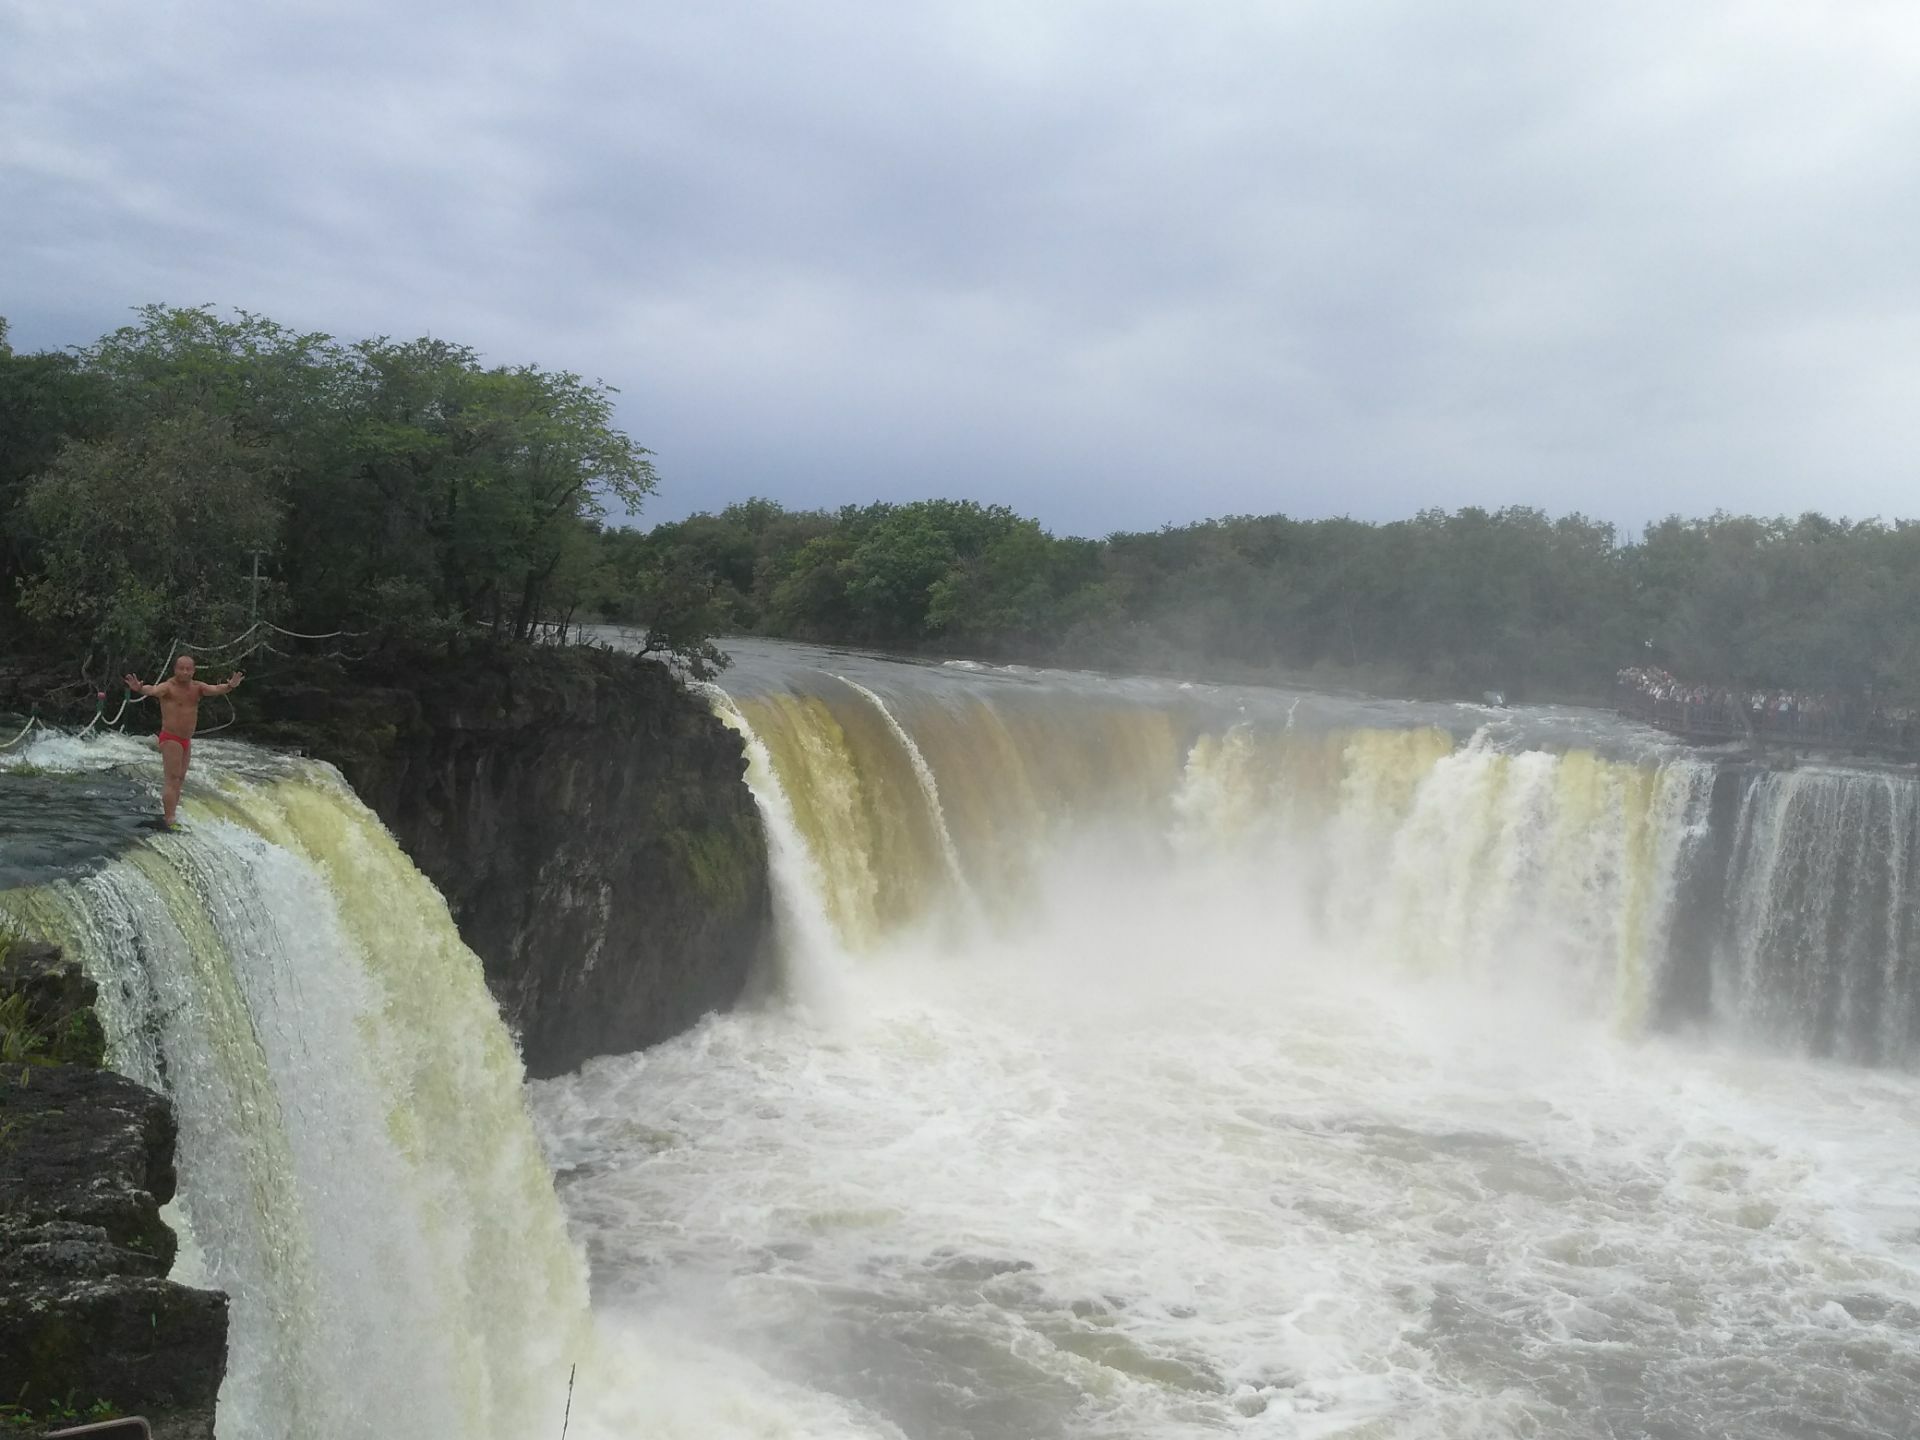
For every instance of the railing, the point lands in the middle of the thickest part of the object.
(131, 1428)
(1719, 721)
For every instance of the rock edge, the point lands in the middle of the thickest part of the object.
(87, 1315)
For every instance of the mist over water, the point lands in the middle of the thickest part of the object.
(1272, 1068)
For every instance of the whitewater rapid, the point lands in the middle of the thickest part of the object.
(1165, 1169)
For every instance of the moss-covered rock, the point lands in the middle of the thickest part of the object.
(48, 1006)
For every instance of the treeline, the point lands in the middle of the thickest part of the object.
(1442, 603)
(406, 491)
(399, 490)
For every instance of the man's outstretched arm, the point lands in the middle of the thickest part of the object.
(232, 682)
(137, 685)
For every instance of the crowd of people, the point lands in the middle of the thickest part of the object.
(1808, 715)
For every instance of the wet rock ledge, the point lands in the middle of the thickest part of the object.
(90, 1326)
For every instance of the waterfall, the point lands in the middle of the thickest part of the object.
(1397, 1069)
(929, 787)
(807, 936)
(356, 1163)
(1637, 887)
(890, 848)
(1180, 903)
(1816, 945)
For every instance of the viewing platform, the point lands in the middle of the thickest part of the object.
(1882, 736)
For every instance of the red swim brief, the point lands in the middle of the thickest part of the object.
(186, 746)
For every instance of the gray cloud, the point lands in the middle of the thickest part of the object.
(1114, 263)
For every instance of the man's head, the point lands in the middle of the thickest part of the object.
(183, 668)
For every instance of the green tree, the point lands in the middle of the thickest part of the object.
(46, 400)
(483, 477)
(1014, 594)
(398, 487)
(144, 537)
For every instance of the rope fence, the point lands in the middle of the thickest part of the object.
(179, 648)
(255, 638)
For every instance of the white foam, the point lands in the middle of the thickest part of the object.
(1165, 1164)
(69, 753)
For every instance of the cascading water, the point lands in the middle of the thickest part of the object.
(807, 938)
(1169, 1061)
(356, 1163)
(1551, 867)
(1311, 1068)
(929, 786)
(357, 1167)
(1817, 947)
(1537, 870)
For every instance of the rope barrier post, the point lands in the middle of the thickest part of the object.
(254, 614)
(99, 709)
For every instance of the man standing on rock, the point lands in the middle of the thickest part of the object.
(179, 696)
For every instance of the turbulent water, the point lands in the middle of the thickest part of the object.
(1160, 1061)
(1142, 1060)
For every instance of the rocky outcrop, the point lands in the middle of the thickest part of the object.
(585, 817)
(88, 1319)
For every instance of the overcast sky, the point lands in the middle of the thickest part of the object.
(1116, 264)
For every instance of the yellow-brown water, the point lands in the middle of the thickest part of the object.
(1414, 845)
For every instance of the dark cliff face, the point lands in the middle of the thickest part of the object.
(87, 1315)
(585, 817)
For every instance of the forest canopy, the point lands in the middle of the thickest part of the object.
(1442, 603)
(400, 488)
(413, 492)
